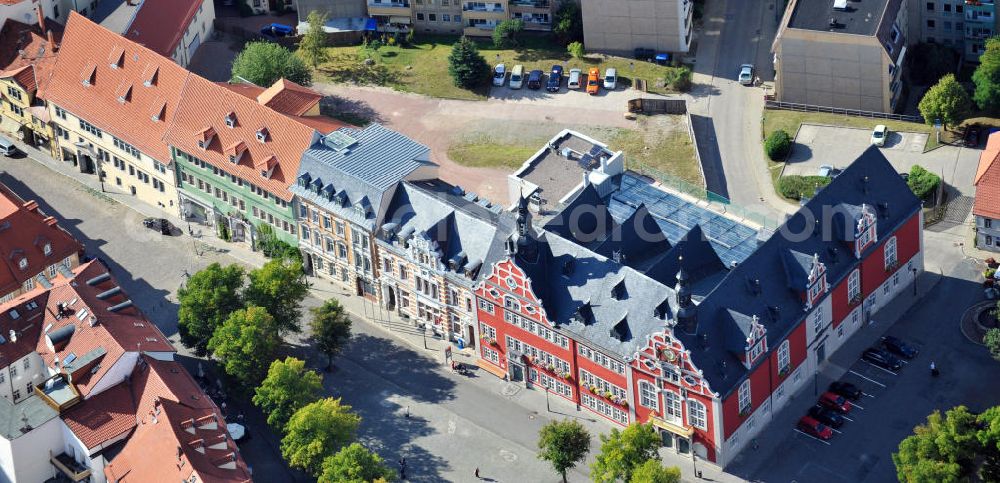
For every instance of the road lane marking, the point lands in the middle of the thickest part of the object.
(847, 418)
(866, 378)
(869, 395)
(857, 406)
(881, 368)
(811, 436)
(835, 430)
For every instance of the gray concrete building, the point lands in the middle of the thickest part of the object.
(836, 53)
(620, 27)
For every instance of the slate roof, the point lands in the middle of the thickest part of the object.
(461, 228)
(356, 169)
(988, 180)
(24, 232)
(116, 99)
(760, 286)
(148, 25)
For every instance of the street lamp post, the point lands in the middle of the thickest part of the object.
(547, 408)
(423, 334)
(914, 269)
(694, 463)
(816, 382)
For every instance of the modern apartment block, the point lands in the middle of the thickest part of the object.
(963, 25)
(842, 54)
(620, 27)
(475, 18)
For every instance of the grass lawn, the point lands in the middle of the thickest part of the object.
(485, 151)
(423, 67)
(661, 145)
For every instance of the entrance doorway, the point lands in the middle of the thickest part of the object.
(821, 352)
(470, 336)
(516, 371)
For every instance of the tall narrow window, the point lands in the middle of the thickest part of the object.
(744, 397)
(648, 397)
(784, 358)
(890, 253)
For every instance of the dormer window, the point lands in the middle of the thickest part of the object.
(89, 75)
(756, 343)
(865, 233)
(266, 167)
(22, 263)
(47, 249)
(235, 151)
(231, 120)
(619, 292)
(817, 282)
(262, 134)
(125, 93)
(205, 137)
(117, 58)
(304, 180)
(150, 74)
(159, 112)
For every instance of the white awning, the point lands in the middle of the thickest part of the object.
(400, 20)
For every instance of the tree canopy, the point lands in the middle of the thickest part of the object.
(947, 101)
(245, 344)
(563, 444)
(263, 63)
(330, 328)
(279, 286)
(466, 65)
(355, 464)
(987, 78)
(287, 387)
(623, 451)
(317, 431)
(313, 43)
(206, 301)
(505, 33)
(945, 448)
(653, 472)
(568, 26)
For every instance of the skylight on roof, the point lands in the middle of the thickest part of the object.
(69, 358)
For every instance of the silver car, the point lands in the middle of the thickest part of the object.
(746, 74)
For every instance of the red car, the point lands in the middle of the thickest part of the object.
(815, 428)
(836, 402)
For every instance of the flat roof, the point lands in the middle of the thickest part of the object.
(559, 168)
(860, 17)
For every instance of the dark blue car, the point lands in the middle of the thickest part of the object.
(555, 79)
(277, 30)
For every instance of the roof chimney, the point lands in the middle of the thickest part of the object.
(52, 41)
(41, 17)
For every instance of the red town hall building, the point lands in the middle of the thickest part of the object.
(613, 314)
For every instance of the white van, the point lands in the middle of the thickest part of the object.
(7, 147)
(517, 77)
(574, 79)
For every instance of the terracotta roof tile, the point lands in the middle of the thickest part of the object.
(205, 106)
(289, 98)
(147, 28)
(24, 233)
(325, 125)
(988, 156)
(244, 89)
(91, 54)
(987, 182)
(25, 53)
(102, 418)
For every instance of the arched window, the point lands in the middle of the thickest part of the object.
(697, 416)
(854, 285)
(890, 253)
(784, 357)
(744, 396)
(672, 403)
(648, 397)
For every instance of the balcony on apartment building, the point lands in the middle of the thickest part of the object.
(394, 8)
(484, 11)
(979, 33)
(530, 6)
(534, 21)
(69, 467)
(981, 11)
(478, 27)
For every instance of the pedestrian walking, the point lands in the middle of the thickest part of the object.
(934, 370)
(477, 473)
(407, 412)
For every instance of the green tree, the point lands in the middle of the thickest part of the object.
(355, 464)
(992, 341)
(263, 63)
(317, 431)
(287, 387)
(206, 301)
(506, 32)
(563, 444)
(279, 286)
(987, 78)
(653, 472)
(313, 44)
(466, 65)
(922, 182)
(245, 344)
(989, 441)
(576, 50)
(624, 451)
(777, 145)
(947, 101)
(568, 22)
(943, 450)
(330, 328)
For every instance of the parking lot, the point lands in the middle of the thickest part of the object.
(816, 146)
(611, 100)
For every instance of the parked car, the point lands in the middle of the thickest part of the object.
(517, 77)
(575, 79)
(7, 147)
(594, 81)
(746, 74)
(815, 428)
(879, 134)
(826, 416)
(898, 347)
(161, 225)
(610, 79)
(881, 358)
(835, 402)
(555, 79)
(971, 136)
(828, 171)
(535, 79)
(846, 389)
(499, 75)
(277, 30)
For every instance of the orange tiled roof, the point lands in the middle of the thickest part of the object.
(24, 233)
(148, 29)
(987, 202)
(325, 125)
(25, 53)
(102, 418)
(244, 89)
(95, 65)
(288, 97)
(181, 426)
(205, 106)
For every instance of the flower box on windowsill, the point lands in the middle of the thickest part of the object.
(784, 372)
(892, 266)
(744, 412)
(855, 300)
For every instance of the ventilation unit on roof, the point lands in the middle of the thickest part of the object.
(339, 141)
(840, 5)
